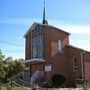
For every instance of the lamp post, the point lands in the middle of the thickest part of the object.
(82, 63)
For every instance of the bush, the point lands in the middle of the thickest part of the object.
(57, 80)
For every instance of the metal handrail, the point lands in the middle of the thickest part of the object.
(25, 81)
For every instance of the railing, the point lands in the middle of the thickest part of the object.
(19, 80)
(17, 76)
(37, 77)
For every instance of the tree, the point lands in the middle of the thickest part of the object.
(1, 56)
(13, 67)
(18, 66)
(9, 67)
(2, 72)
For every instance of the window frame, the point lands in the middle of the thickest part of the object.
(59, 45)
(37, 35)
(75, 63)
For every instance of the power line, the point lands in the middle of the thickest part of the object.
(12, 44)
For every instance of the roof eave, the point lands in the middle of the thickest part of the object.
(32, 26)
(78, 48)
(35, 23)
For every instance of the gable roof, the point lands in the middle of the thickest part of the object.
(31, 28)
(49, 26)
(71, 46)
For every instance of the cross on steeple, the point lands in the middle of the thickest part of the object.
(44, 15)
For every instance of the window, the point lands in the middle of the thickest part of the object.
(59, 45)
(37, 43)
(47, 68)
(75, 64)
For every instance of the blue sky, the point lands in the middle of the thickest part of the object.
(16, 16)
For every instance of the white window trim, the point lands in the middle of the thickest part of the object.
(59, 46)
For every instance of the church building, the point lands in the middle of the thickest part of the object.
(48, 52)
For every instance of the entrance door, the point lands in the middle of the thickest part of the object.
(36, 67)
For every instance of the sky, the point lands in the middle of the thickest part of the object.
(16, 16)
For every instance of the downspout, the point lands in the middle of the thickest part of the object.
(82, 64)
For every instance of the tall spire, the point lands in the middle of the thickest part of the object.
(44, 16)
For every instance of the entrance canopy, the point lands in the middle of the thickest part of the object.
(34, 61)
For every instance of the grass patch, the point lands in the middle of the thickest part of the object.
(16, 88)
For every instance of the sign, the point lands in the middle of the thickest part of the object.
(47, 68)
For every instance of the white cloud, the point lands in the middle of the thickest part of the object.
(77, 29)
(71, 28)
(84, 46)
(19, 21)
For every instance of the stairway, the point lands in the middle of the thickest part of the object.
(37, 77)
(21, 79)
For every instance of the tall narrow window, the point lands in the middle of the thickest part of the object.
(59, 44)
(37, 43)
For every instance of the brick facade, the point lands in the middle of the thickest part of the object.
(61, 62)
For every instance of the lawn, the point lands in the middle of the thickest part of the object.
(16, 88)
(24, 88)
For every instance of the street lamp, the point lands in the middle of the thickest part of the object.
(82, 63)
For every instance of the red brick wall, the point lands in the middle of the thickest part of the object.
(52, 56)
(74, 52)
(86, 60)
(55, 36)
(28, 47)
(47, 45)
(62, 63)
